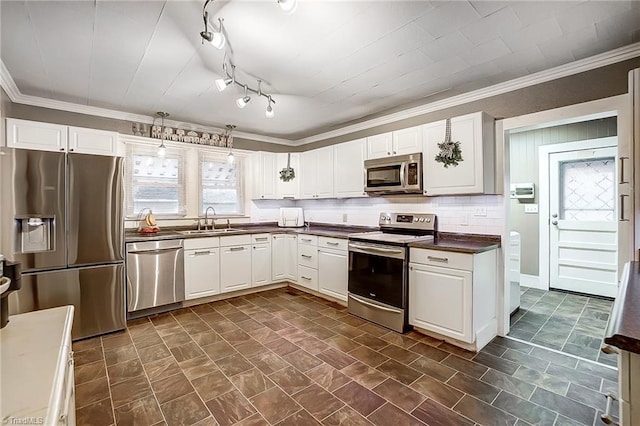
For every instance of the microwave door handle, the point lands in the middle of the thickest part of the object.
(402, 167)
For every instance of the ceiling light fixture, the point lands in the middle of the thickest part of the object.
(216, 38)
(162, 150)
(288, 6)
(226, 136)
(222, 83)
(269, 112)
(243, 101)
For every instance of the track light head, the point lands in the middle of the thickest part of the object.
(216, 38)
(222, 83)
(243, 101)
(288, 6)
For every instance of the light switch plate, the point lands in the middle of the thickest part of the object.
(531, 208)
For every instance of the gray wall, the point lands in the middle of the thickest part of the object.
(524, 163)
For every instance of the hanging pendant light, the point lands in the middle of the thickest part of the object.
(162, 149)
(230, 157)
(269, 113)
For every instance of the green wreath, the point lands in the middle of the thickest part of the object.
(450, 154)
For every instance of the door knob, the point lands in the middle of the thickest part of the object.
(555, 222)
(554, 215)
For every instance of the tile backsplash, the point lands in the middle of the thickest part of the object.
(479, 214)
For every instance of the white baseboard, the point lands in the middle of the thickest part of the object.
(532, 281)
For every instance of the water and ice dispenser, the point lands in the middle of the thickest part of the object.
(35, 234)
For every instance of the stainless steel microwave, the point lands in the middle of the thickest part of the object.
(401, 174)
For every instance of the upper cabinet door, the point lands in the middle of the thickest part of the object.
(324, 172)
(35, 135)
(348, 168)
(407, 141)
(92, 141)
(475, 173)
(264, 175)
(379, 146)
(308, 174)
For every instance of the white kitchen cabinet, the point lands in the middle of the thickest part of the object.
(629, 387)
(308, 261)
(201, 267)
(54, 137)
(379, 146)
(407, 141)
(454, 294)
(235, 263)
(475, 174)
(348, 169)
(290, 189)
(284, 257)
(260, 260)
(308, 277)
(333, 271)
(264, 176)
(316, 173)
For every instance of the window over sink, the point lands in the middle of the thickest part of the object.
(221, 184)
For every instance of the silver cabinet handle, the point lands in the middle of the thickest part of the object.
(329, 243)
(305, 278)
(555, 222)
(622, 170)
(306, 256)
(236, 249)
(198, 253)
(438, 259)
(306, 239)
(622, 218)
(606, 417)
(262, 239)
(609, 350)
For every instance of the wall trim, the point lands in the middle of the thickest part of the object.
(532, 281)
(582, 65)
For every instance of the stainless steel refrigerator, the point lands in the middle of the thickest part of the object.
(61, 216)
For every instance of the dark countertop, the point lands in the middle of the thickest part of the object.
(324, 230)
(623, 330)
(461, 243)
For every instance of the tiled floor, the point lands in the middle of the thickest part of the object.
(284, 357)
(566, 322)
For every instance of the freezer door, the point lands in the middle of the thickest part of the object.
(95, 209)
(32, 186)
(96, 292)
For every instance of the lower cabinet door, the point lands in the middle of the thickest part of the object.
(260, 264)
(333, 273)
(235, 273)
(201, 272)
(440, 300)
(291, 258)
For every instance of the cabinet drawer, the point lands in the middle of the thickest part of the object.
(260, 238)
(308, 256)
(334, 243)
(235, 240)
(308, 277)
(444, 259)
(197, 243)
(308, 239)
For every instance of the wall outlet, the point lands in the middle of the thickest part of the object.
(531, 208)
(480, 211)
(344, 217)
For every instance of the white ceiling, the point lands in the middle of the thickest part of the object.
(329, 63)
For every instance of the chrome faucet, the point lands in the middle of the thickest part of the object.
(213, 219)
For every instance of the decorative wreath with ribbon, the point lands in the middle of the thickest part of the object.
(450, 153)
(287, 173)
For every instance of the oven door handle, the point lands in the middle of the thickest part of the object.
(373, 305)
(377, 249)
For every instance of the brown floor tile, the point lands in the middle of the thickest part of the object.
(500, 364)
(399, 394)
(432, 368)
(474, 387)
(328, 377)
(196, 327)
(96, 414)
(347, 330)
(281, 346)
(435, 414)
(264, 335)
(525, 410)
(301, 418)
(219, 350)
(251, 382)
(359, 398)
(153, 353)
(249, 325)
(230, 408)
(235, 337)
(302, 360)
(223, 326)
(371, 341)
(313, 345)
(233, 364)
(399, 371)
(88, 356)
(197, 367)
(161, 368)
(144, 411)
(254, 420)
(563, 405)
(399, 354)
(89, 372)
(274, 405)
(130, 390)
(398, 339)
(186, 351)
(162, 319)
(438, 391)
(124, 371)
(212, 385)
(429, 351)
(168, 329)
(483, 413)
(389, 414)
(91, 392)
(290, 380)
(470, 368)
(83, 345)
(508, 383)
(186, 410)
(318, 401)
(341, 342)
(268, 362)
(346, 416)
(368, 356)
(374, 330)
(177, 339)
(320, 332)
(150, 338)
(336, 358)
(250, 348)
(116, 340)
(206, 338)
(120, 354)
(462, 353)
(171, 387)
(367, 376)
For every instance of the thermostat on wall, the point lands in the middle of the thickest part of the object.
(523, 191)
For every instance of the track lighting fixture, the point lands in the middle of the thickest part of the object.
(162, 150)
(216, 38)
(243, 101)
(288, 6)
(269, 112)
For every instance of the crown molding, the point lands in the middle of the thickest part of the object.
(9, 85)
(614, 56)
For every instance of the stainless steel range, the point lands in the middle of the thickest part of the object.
(378, 268)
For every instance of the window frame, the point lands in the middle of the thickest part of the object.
(240, 164)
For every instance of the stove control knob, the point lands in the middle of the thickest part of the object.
(388, 218)
(415, 219)
(422, 219)
(428, 220)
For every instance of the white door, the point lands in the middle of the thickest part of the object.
(583, 227)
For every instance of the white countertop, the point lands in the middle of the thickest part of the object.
(34, 349)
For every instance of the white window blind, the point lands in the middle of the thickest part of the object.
(221, 184)
(155, 183)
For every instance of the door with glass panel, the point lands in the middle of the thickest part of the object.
(583, 223)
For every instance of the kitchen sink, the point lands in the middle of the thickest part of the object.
(210, 231)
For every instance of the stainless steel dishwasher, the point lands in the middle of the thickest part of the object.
(155, 274)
